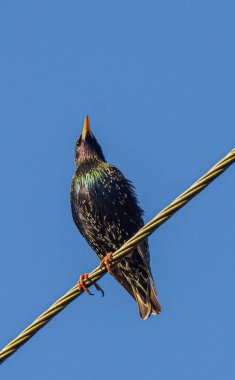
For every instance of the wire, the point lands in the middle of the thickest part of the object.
(98, 272)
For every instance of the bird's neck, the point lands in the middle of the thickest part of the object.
(89, 173)
(88, 164)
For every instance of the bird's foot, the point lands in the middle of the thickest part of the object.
(106, 261)
(82, 285)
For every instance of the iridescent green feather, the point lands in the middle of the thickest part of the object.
(91, 177)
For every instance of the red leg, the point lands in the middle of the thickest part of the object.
(81, 283)
(106, 261)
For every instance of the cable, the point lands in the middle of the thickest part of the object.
(98, 272)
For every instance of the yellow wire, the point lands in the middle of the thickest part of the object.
(98, 272)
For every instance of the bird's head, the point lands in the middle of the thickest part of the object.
(87, 147)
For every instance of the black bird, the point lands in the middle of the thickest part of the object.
(106, 212)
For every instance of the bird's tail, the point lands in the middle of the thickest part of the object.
(146, 298)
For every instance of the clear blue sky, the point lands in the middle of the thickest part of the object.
(157, 80)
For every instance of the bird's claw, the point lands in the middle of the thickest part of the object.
(82, 285)
(99, 289)
(106, 261)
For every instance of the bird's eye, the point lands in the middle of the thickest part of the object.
(78, 142)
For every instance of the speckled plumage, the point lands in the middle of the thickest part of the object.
(106, 212)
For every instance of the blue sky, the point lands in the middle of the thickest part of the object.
(157, 80)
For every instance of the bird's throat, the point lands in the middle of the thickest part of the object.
(90, 172)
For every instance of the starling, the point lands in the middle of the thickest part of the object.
(105, 210)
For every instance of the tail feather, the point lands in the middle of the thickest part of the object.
(144, 307)
(149, 303)
(156, 307)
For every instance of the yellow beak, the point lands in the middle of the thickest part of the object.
(86, 128)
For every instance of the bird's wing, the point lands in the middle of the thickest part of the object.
(143, 249)
(120, 278)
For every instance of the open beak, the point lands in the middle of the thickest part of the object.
(86, 128)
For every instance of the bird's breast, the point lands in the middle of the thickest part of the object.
(105, 209)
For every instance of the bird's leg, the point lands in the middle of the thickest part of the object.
(81, 285)
(106, 261)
